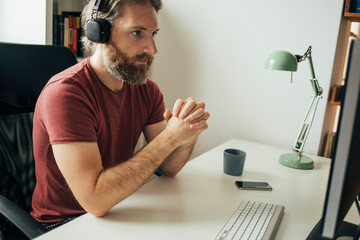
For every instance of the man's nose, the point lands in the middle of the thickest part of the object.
(150, 46)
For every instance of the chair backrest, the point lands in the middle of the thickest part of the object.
(24, 71)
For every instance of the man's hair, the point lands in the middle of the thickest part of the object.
(110, 11)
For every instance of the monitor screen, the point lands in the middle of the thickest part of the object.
(344, 180)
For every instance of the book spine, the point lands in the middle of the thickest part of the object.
(357, 6)
(75, 34)
(70, 32)
(66, 31)
(79, 34)
(55, 31)
(60, 30)
(329, 147)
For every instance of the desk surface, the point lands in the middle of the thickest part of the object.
(197, 203)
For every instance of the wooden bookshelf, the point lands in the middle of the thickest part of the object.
(348, 14)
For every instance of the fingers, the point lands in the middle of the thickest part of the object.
(187, 108)
(167, 114)
(177, 107)
(200, 104)
(196, 115)
(201, 122)
(183, 108)
(202, 125)
(191, 112)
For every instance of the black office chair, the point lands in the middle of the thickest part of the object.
(24, 71)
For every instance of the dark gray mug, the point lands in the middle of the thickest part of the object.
(234, 160)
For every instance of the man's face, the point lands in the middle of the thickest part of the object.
(129, 53)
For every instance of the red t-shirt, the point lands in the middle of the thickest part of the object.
(75, 106)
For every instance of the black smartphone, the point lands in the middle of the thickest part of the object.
(253, 185)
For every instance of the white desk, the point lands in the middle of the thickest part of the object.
(198, 202)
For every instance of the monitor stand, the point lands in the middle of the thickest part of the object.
(344, 230)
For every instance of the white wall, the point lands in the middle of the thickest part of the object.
(215, 52)
(23, 21)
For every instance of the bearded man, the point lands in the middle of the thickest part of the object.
(89, 117)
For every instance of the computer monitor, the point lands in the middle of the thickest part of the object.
(344, 180)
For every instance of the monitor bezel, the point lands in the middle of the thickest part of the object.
(338, 202)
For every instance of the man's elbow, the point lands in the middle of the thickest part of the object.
(99, 213)
(96, 208)
(170, 174)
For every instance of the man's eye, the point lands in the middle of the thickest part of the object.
(154, 34)
(136, 33)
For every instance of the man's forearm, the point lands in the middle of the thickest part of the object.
(194, 114)
(177, 159)
(115, 184)
(125, 178)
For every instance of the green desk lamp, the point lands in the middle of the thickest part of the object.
(285, 61)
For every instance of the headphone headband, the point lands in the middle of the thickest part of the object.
(98, 5)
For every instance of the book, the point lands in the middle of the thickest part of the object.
(66, 31)
(329, 147)
(74, 31)
(74, 34)
(59, 34)
(357, 6)
(55, 30)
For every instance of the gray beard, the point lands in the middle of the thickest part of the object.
(121, 67)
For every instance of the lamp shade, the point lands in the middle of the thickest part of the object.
(281, 60)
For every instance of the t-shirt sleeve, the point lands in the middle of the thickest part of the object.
(158, 105)
(67, 113)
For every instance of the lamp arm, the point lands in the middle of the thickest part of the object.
(310, 114)
(306, 125)
(314, 82)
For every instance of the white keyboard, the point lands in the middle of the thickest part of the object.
(252, 220)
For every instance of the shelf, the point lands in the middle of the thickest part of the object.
(353, 17)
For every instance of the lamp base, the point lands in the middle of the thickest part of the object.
(297, 161)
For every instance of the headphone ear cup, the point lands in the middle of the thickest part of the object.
(98, 30)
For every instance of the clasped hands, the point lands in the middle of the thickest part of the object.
(190, 112)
